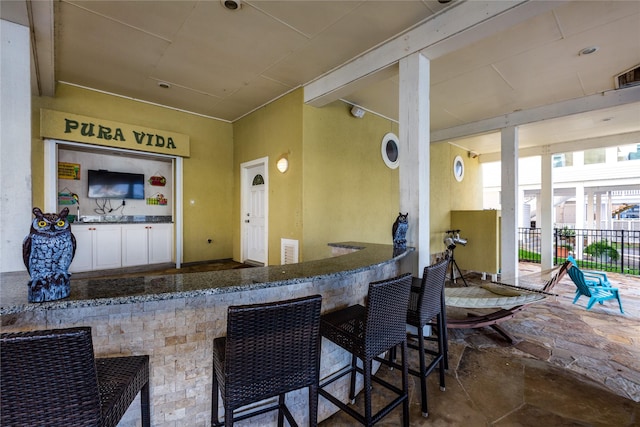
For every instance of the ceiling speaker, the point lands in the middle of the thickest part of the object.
(231, 4)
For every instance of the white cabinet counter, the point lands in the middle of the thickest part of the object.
(101, 246)
(146, 244)
(97, 247)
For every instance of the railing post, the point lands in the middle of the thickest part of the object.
(555, 252)
(622, 251)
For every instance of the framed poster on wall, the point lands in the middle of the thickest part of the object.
(69, 171)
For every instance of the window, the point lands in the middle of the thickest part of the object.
(628, 152)
(595, 156)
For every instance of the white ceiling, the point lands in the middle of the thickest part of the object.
(225, 64)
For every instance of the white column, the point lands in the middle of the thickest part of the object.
(524, 218)
(579, 217)
(15, 144)
(509, 183)
(414, 153)
(598, 209)
(545, 210)
(178, 170)
(590, 210)
(609, 211)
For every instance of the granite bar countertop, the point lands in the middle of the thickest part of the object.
(100, 292)
(123, 219)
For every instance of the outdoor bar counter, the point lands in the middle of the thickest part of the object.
(174, 319)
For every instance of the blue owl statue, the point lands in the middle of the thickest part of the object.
(47, 253)
(399, 232)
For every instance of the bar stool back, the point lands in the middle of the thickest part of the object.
(426, 303)
(367, 333)
(51, 378)
(270, 349)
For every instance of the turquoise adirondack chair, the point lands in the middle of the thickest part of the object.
(595, 294)
(592, 277)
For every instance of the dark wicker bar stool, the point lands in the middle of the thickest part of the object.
(367, 333)
(270, 349)
(51, 378)
(426, 303)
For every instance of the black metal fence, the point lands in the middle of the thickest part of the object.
(607, 250)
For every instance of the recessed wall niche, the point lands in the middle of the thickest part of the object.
(115, 162)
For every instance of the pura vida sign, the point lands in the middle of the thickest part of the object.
(89, 130)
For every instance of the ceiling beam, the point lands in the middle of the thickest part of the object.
(598, 101)
(42, 47)
(460, 24)
(570, 146)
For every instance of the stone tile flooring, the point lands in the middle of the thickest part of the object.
(568, 367)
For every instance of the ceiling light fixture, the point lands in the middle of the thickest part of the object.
(588, 50)
(164, 85)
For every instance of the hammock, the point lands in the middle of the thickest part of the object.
(507, 300)
(489, 296)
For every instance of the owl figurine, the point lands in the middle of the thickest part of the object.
(47, 253)
(399, 232)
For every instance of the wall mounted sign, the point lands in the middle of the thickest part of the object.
(65, 197)
(157, 181)
(157, 199)
(90, 130)
(69, 171)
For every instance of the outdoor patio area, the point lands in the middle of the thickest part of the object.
(568, 367)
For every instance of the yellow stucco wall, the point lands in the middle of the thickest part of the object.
(337, 187)
(348, 191)
(273, 130)
(447, 194)
(482, 230)
(208, 178)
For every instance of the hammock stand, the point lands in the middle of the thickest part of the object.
(506, 299)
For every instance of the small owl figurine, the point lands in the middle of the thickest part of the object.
(399, 232)
(47, 253)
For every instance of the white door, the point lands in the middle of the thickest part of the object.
(254, 213)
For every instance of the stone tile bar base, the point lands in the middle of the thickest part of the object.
(178, 335)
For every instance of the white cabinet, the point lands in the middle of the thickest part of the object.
(146, 244)
(160, 243)
(104, 246)
(98, 247)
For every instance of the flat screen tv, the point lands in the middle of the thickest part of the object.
(105, 184)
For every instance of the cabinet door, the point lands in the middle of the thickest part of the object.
(107, 247)
(160, 243)
(134, 245)
(83, 259)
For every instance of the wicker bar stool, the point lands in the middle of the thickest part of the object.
(51, 378)
(270, 349)
(426, 303)
(367, 333)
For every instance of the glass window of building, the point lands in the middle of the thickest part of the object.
(595, 156)
(561, 160)
(628, 152)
